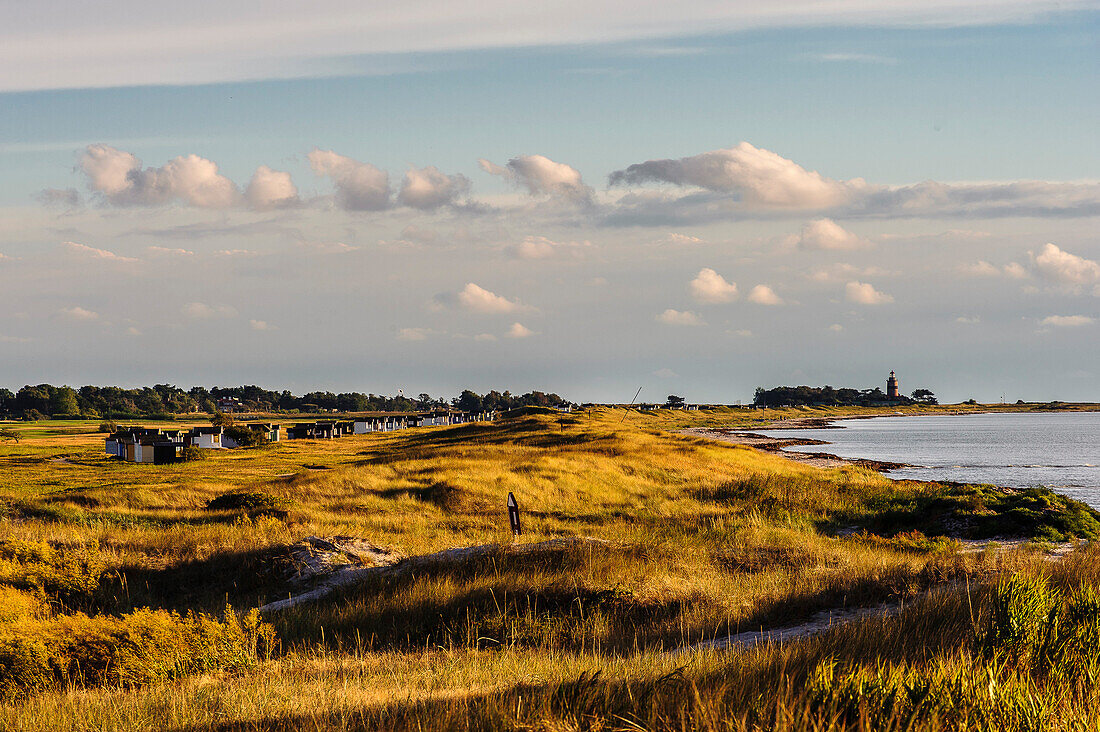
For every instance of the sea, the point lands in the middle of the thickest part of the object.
(1058, 450)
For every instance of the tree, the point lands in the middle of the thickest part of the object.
(675, 401)
(468, 401)
(9, 435)
(221, 419)
(924, 396)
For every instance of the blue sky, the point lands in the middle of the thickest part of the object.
(945, 150)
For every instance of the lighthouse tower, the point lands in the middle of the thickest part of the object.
(892, 387)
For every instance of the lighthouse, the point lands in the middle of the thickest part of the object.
(892, 387)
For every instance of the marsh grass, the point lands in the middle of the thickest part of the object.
(697, 540)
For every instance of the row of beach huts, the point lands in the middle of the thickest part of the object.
(160, 446)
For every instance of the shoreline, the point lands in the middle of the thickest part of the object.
(776, 445)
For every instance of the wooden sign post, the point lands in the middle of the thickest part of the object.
(513, 514)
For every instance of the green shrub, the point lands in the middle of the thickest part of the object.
(109, 426)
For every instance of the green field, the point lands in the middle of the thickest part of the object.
(115, 580)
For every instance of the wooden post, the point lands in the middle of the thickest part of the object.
(513, 514)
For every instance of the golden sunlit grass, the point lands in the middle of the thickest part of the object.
(691, 540)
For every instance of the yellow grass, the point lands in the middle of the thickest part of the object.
(702, 539)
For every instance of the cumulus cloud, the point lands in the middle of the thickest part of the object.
(829, 235)
(711, 287)
(968, 319)
(359, 186)
(1060, 267)
(485, 337)
(270, 189)
(665, 374)
(750, 181)
(679, 317)
(477, 299)
(93, 253)
(261, 325)
(1067, 321)
(764, 295)
(863, 293)
(78, 313)
(836, 328)
(119, 177)
(539, 247)
(518, 330)
(542, 176)
(202, 311)
(429, 188)
(757, 176)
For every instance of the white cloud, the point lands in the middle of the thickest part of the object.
(106, 45)
(542, 176)
(679, 317)
(202, 311)
(665, 374)
(429, 188)
(94, 253)
(271, 189)
(78, 313)
(236, 253)
(118, 176)
(982, 268)
(479, 300)
(764, 295)
(485, 337)
(864, 293)
(827, 234)
(539, 247)
(359, 186)
(415, 334)
(740, 333)
(169, 251)
(836, 327)
(261, 325)
(1067, 321)
(675, 239)
(519, 331)
(1061, 267)
(757, 176)
(746, 180)
(710, 287)
(133, 331)
(968, 320)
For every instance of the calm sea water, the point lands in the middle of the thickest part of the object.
(1057, 450)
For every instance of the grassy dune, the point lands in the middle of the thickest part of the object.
(697, 540)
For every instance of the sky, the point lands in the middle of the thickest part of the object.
(694, 198)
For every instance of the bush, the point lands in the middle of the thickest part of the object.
(192, 453)
(245, 437)
(137, 648)
(108, 427)
(251, 502)
(64, 574)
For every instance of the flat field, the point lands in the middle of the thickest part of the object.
(127, 601)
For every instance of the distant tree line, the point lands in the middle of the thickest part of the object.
(46, 400)
(819, 396)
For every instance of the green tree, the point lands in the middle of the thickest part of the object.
(63, 401)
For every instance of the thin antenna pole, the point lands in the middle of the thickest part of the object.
(631, 404)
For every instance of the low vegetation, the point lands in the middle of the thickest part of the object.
(114, 579)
